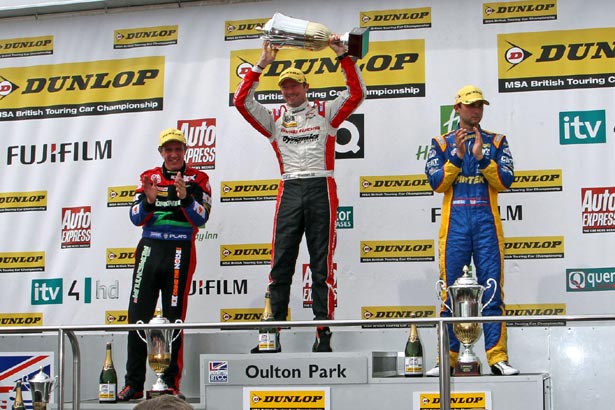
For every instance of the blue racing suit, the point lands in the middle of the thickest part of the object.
(471, 227)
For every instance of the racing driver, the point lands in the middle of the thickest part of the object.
(303, 136)
(470, 166)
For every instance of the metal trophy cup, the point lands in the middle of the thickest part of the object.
(466, 296)
(41, 386)
(159, 352)
(283, 31)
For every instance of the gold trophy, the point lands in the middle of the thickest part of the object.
(283, 31)
(466, 296)
(159, 343)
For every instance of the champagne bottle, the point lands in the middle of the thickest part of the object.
(413, 354)
(107, 387)
(18, 403)
(268, 337)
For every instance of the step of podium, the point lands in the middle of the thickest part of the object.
(355, 380)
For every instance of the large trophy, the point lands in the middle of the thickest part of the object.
(159, 343)
(41, 386)
(283, 31)
(466, 296)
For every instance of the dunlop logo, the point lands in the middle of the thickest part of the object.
(465, 401)
(246, 315)
(26, 47)
(243, 29)
(556, 60)
(394, 185)
(145, 37)
(537, 181)
(247, 254)
(240, 191)
(121, 195)
(21, 319)
(396, 312)
(519, 11)
(120, 258)
(22, 262)
(23, 201)
(400, 19)
(393, 69)
(545, 309)
(398, 251)
(116, 317)
(539, 247)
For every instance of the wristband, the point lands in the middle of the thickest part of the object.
(262, 68)
(340, 58)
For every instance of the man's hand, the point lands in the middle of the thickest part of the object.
(477, 149)
(151, 190)
(180, 186)
(268, 54)
(336, 45)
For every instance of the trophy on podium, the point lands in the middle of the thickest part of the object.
(283, 31)
(159, 343)
(466, 296)
(41, 385)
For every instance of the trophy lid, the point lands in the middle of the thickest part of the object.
(159, 320)
(466, 280)
(40, 377)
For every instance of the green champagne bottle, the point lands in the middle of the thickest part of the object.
(413, 354)
(18, 403)
(107, 384)
(268, 337)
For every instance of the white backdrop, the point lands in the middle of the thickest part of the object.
(561, 139)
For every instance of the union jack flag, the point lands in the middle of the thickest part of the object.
(21, 366)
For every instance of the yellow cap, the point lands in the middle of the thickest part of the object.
(171, 134)
(293, 74)
(470, 94)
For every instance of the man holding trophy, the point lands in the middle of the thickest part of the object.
(470, 166)
(303, 136)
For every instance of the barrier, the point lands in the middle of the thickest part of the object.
(70, 332)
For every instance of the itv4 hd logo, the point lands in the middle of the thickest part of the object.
(582, 127)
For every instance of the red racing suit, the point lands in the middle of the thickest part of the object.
(303, 139)
(165, 260)
(471, 228)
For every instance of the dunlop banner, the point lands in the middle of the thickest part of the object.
(391, 69)
(556, 60)
(78, 89)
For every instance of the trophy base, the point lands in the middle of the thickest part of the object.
(150, 394)
(358, 42)
(467, 369)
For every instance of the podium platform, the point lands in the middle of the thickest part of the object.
(350, 381)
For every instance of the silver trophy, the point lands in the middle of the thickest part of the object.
(466, 296)
(41, 385)
(288, 32)
(159, 343)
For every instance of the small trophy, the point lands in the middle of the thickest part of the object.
(466, 296)
(41, 386)
(159, 343)
(283, 31)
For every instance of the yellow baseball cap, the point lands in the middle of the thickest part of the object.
(293, 74)
(171, 134)
(470, 94)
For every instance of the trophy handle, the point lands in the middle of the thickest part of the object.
(441, 287)
(179, 331)
(491, 283)
(140, 322)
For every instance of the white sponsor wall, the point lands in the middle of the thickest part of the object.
(561, 139)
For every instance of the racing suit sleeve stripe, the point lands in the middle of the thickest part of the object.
(138, 214)
(352, 97)
(255, 113)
